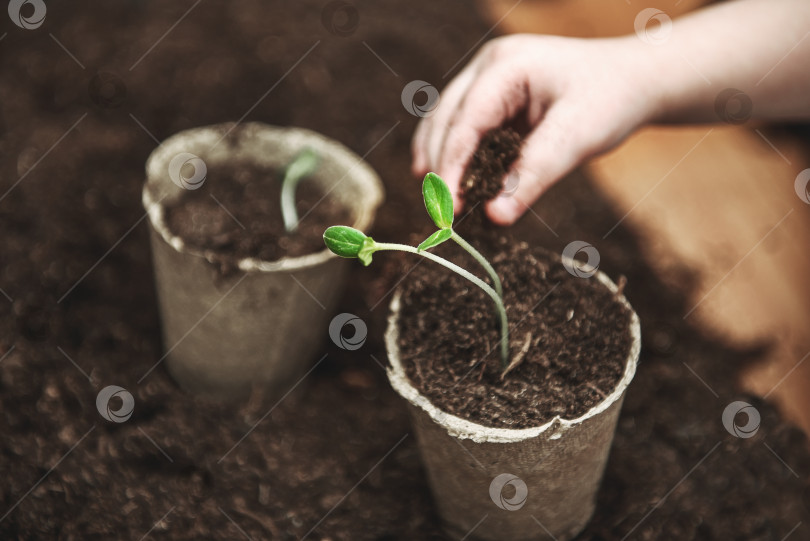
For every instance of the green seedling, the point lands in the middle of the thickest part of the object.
(301, 167)
(349, 242)
(439, 205)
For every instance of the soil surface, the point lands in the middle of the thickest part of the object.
(236, 214)
(335, 459)
(571, 333)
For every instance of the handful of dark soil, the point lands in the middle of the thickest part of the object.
(493, 158)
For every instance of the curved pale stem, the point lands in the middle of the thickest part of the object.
(302, 166)
(481, 259)
(496, 298)
(288, 210)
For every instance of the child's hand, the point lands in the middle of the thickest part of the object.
(577, 97)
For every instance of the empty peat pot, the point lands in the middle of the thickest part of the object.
(533, 479)
(260, 325)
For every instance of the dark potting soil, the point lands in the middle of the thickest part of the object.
(336, 458)
(488, 168)
(236, 214)
(571, 333)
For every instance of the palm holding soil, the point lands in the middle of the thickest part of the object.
(570, 104)
(574, 98)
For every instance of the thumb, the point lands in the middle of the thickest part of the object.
(552, 150)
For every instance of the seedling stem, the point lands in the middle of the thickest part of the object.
(495, 296)
(302, 166)
(484, 263)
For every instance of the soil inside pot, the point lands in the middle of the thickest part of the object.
(573, 334)
(236, 214)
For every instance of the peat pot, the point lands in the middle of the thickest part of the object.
(513, 484)
(262, 325)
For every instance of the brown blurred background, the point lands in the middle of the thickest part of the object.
(78, 310)
(724, 205)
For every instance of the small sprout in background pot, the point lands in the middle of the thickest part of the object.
(304, 164)
(348, 242)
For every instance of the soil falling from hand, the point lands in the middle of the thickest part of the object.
(486, 173)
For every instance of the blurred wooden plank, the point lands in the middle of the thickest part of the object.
(721, 200)
(576, 18)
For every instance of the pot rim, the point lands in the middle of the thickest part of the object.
(465, 429)
(157, 166)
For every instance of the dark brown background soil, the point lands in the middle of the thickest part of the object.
(331, 456)
(237, 214)
(578, 331)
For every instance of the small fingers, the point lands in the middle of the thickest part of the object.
(430, 130)
(491, 100)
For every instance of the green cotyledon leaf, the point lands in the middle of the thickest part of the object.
(438, 200)
(368, 248)
(344, 241)
(349, 242)
(435, 239)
